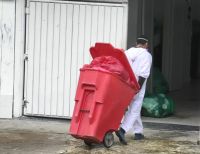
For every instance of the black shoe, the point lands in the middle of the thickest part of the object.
(120, 133)
(139, 137)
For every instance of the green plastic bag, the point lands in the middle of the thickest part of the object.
(157, 106)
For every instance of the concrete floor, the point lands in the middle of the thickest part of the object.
(47, 136)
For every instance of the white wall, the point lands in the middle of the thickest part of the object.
(12, 16)
(7, 24)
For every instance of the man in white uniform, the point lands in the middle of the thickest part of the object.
(140, 60)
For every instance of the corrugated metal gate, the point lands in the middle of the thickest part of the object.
(58, 37)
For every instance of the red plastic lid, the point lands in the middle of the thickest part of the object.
(106, 49)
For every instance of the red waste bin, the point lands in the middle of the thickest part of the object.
(101, 99)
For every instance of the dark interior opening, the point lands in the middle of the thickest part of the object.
(195, 50)
(157, 49)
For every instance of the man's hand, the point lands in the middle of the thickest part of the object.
(141, 81)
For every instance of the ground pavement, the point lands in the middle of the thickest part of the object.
(47, 136)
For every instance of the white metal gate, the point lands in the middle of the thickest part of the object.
(58, 37)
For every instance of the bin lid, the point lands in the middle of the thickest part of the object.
(106, 49)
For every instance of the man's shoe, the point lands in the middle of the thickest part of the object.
(121, 136)
(139, 136)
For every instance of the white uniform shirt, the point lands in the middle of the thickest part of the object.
(140, 60)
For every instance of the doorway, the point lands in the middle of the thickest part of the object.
(177, 56)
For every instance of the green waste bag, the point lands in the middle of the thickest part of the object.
(157, 106)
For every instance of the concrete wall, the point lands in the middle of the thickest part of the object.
(195, 9)
(134, 21)
(140, 20)
(176, 43)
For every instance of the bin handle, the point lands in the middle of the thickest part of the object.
(86, 86)
(92, 110)
(91, 114)
(89, 86)
(78, 103)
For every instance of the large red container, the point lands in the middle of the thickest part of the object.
(101, 98)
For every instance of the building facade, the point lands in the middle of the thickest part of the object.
(43, 44)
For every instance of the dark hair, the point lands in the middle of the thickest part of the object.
(142, 40)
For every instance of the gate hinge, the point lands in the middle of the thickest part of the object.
(26, 57)
(25, 103)
(27, 11)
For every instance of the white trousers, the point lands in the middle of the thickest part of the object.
(132, 119)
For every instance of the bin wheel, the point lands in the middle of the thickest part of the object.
(88, 143)
(108, 139)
